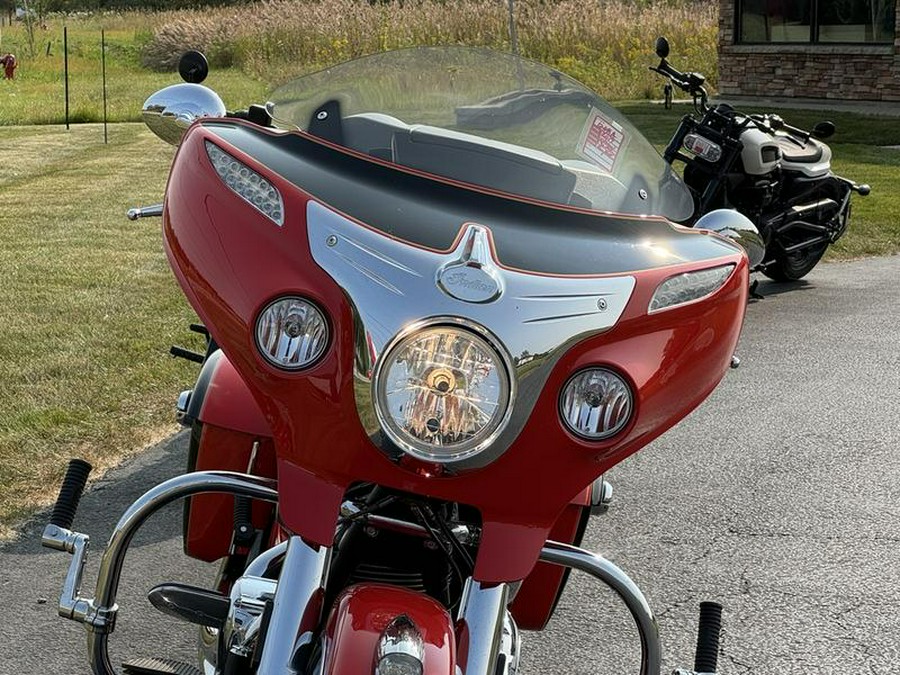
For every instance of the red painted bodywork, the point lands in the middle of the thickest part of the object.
(210, 517)
(228, 403)
(537, 596)
(231, 261)
(362, 612)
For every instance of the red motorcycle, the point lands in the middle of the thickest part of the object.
(443, 294)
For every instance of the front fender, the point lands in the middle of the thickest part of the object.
(222, 398)
(363, 611)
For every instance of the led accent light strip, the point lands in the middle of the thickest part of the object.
(247, 184)
(689, 286)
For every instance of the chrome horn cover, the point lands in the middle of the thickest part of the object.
(170, 111)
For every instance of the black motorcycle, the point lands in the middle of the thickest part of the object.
(777, 175)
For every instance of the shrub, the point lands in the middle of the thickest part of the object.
(607, 44)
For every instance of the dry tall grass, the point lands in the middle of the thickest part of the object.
(607, 44)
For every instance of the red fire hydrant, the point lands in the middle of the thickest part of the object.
(9, 63)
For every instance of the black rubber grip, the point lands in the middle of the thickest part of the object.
(70, 493)
(243, 521)
(708, 631)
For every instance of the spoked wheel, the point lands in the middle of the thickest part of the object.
(796, 265)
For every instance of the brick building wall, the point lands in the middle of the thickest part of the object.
(829, 71)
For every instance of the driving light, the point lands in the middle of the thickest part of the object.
(291, 333)
(442, 393)
(248, 184)
(690, 286)
(401, 649)
(596, 404)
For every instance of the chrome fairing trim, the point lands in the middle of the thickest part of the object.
(624, 587)
(392, 284)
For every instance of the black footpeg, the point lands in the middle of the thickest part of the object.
(187, 354)
(754, 293)
(189, 603)
(70, 494)
(151, 666)
(709, 629)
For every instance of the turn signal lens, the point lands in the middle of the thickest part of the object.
(248, 184)
(690, 286)
(291, 333)
(442, 393)
(596, 404)
(401, 649)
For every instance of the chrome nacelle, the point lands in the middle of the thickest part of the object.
(737, 227)
(170, 111)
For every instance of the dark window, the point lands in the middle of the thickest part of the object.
(847, 21)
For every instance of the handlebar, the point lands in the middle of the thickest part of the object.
(771, 123)
(692, 83)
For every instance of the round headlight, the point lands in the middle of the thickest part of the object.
(442, 393)
(291, 333)
(596, 404)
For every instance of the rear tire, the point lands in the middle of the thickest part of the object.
(794, 266)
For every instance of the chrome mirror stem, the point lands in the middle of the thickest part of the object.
(145, 212)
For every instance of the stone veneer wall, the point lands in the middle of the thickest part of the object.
(851, 72)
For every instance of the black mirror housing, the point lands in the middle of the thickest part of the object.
(193, 67)
(824, 130)
(662, 47)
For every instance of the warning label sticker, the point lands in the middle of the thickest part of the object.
(602, 140)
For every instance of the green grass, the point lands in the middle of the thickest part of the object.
(37, 94)
(89, 305)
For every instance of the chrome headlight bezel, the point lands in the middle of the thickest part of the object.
(483, 439)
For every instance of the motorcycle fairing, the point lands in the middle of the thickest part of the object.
(428, 211)
(232, 261)
(362, 612)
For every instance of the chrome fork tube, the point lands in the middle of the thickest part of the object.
(261, 563)
(298, 604)
(101, 614)
(625, 588)
(481, 615)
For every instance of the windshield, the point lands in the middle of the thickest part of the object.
(490, 119)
